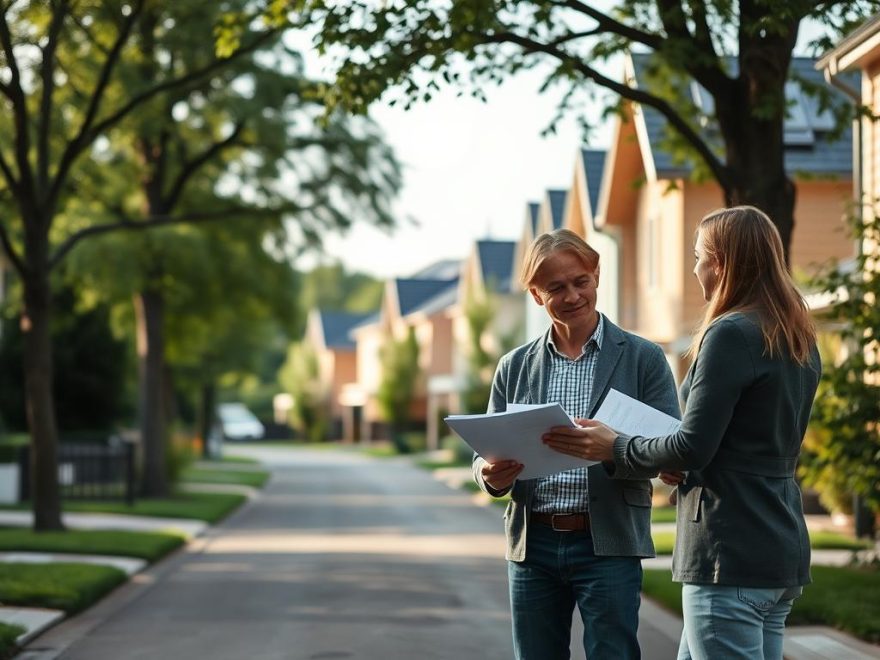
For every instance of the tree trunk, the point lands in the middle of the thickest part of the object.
(206, 416)
(150, 317)
(40, 402)
(751, 118)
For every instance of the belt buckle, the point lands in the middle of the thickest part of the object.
(553, 522)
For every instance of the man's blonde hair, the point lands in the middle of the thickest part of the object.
(555, 241)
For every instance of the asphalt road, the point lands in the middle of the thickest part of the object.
(341, 556)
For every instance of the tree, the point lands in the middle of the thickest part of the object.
(843, 451)
(61, 95)
(400, 375)
(415, 46)
(300, 377)
(219, 148)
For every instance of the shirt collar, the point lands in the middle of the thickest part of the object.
(595, 338)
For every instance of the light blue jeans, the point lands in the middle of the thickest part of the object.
(734, 622)
(561, 570)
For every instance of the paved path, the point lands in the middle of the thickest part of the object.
(340, 557)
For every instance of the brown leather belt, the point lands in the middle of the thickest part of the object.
(562, 522)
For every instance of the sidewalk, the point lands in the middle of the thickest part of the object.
(801, 642)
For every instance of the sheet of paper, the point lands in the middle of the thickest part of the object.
(631, 417)
(516, 434)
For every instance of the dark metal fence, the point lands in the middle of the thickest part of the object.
(88, 471)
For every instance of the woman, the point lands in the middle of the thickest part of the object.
(742, 549)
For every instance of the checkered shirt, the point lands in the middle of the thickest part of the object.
(571, 384)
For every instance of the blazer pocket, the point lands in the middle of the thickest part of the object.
(637, 497)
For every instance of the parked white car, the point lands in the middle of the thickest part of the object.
(238, 423)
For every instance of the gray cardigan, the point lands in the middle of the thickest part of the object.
(620, 511)
(740, 520)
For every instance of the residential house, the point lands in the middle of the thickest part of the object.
(421, 302)
(648, 203)
(327, 332)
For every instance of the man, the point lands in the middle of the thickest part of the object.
(576, 537)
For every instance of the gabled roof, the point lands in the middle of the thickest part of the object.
(496, 263)
(533, 216)
(336, 326)
(806, 128)
(556, 199)
(447, 269)
(443, 299)
(594, 165)
(413, 293)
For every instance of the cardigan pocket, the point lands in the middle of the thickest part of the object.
(691, 504)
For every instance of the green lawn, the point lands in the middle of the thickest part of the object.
(209, 507)
(841, 597)
(253, 478)
(232, 458)
(143, 545)
(8, 635)
(68, 587)
(663, 514)
(664, 542)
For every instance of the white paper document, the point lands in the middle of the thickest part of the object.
(516, 435)
(631, 417)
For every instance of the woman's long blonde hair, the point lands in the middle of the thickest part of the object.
(753, 277)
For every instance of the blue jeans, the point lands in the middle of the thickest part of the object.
(734, 622)
(559, 571)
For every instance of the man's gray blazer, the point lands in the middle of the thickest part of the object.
(620, 509)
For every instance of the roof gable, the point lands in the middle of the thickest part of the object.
(413, 293)
(336, 326)
(808, 149)
(496, 263)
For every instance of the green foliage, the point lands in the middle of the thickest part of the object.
(400, 375)
(300, 377)
(91, 367)
(842, 453)
(210, 507)
(59, 586)
(143, 545)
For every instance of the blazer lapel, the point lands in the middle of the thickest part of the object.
(537, 370)
(609, 356)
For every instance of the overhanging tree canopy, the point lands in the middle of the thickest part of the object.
(416, 46)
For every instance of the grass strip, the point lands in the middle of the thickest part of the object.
(209, 507)
(232, 458)
(253, 478)
(842, 597)
(142, 545)
(8, 635)
(61, 586)
(665, 541)
(663, 514)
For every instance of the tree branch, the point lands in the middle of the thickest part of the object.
(609, 24)
(8, 175)
(126, 224)
(47, 74)
(146, 95)
(190, 167)
(19, 108)
(11, 252)
(80, 141)
(719, 170)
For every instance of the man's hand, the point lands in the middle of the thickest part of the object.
(591, 440)
(501, 475)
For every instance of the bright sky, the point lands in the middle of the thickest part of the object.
(469, 170)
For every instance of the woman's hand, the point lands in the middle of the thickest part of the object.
(671, 477)
(501, 475)
(590, 440)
